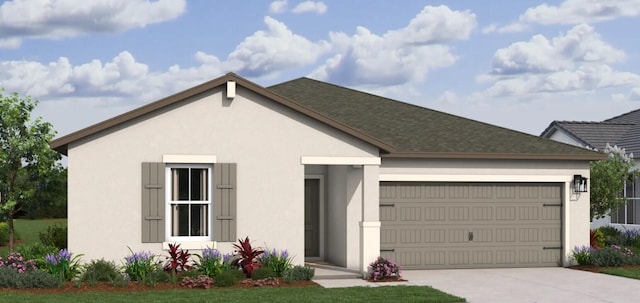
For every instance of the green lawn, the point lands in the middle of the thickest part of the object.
(627, 272)
(306, 294)
(28, 230)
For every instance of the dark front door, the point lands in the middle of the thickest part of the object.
(311, 218)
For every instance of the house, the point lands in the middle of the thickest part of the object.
(329, 173)
(622, 131)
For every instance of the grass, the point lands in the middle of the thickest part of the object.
(305, 294)
(627, 272)
(28, 230)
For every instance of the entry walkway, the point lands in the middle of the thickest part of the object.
(516, 285)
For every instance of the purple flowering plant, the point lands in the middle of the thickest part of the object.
(139, 265)
(383, 269)
(279, 261)
(582, 255)
(63, 265)
(212, 262)
(17, 262)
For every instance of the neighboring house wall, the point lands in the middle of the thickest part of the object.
(266, 141)
(563, 137)
(575, 206)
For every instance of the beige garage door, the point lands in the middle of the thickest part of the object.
(471, 225)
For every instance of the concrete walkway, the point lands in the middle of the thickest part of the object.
(516, 285)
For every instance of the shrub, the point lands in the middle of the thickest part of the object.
(263, 272)
(36, 251)
(18, 263)
(631, 237)
(278, 262)
(62, 265)
(4, 233)
(299, 273)
(139, 265)
(100, 271)
(201, 281)
(612, 236)
(211, 263)
(228, 277)
(382, 269)
(582, 255)
(30, 279)
(596, 238)
(247, 256)
(55, 235)
(611, 256)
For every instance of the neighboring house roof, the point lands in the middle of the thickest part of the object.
(398, 129)
(622, 130)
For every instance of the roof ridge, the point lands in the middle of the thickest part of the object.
(594, 122)
(618, 116)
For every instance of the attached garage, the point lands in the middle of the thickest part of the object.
(437, 225)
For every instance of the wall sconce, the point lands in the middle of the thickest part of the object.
(579, 184)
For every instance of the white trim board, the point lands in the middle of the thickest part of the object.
(178, 159)
(475, 178)
(340, 160)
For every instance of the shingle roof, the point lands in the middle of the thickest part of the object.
(622, 130)
(398, 129)
(417, 131)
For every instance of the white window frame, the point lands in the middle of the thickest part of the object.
(169, 202)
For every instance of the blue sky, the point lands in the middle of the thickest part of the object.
(516, 64)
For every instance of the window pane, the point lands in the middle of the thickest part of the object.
(180, 184)
(199, 220)
(198, 184)
(180, 220)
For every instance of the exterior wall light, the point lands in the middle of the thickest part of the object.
(579, 184)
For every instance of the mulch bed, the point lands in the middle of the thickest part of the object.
(71, 287)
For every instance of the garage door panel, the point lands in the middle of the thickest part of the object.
(465, 225)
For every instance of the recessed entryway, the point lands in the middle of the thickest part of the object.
(313, 187)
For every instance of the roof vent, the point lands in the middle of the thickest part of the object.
(231, 89)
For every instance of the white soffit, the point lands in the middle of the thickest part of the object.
(340, 160)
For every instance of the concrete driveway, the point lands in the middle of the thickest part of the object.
(521, 285)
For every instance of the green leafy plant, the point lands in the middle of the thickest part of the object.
(611, 256)
(612, 236)
(276, 261)
(383, 269)
(100, 271)
(212, 262)
(138, 266)
(178, 259)
(247, 256)
(608, 179)
(596, 238)
(228, 277)
(55, 235)
(582, 255)
(62, 265)
(263, 272)
(36, 251)
(631, 237)
(30, 279)
(202, 281)
(18, 263)
(4, 233)
(299, 273)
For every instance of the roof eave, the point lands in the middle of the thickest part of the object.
(495, 156)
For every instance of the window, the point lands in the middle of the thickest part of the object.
(188, 197)
(629, 213)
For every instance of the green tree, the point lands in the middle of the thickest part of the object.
(50, 199)
(608, 179)
(25, 155)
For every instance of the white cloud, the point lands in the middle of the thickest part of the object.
(489, 29)
(398, 56)
(51, 19)
(274, 50)
(577, 60)
(317, 7)
(574, 12)
(278, 7)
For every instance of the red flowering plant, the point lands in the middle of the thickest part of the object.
(383, 269)
(247, 256)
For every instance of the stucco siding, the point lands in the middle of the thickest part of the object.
(575, 215)
(265, 139)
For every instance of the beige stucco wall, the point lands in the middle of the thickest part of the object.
(575, 206)
(266, 141)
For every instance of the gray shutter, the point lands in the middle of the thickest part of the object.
(153, 202)
(224, 201)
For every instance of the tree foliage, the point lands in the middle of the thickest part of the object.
(25, 155)
(608, 179)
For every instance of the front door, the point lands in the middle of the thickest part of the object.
(312, 218)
